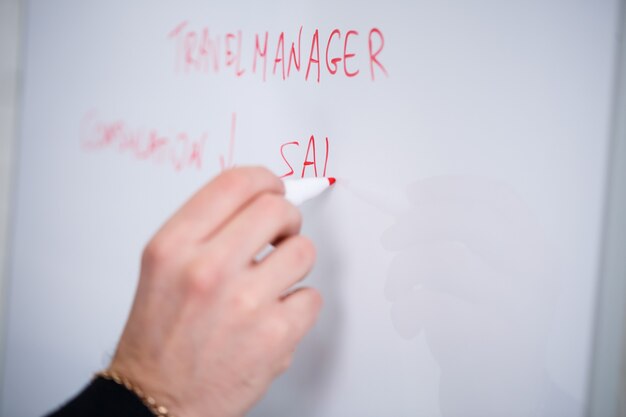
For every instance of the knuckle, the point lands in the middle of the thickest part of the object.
(200, 278)
(293, 215)
(218, 257)
(316, 300)
(275, 206)
(157, 251)
(275, 330)
(266, 177)
(311, 302)
(285, 363)
(244, 182)
(244, 303)
(303, 250)
(262, 171)
(271, 204)
(237, 183)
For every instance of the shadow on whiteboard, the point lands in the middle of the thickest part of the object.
(472, 271)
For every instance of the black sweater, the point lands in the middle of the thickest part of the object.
(104, 398)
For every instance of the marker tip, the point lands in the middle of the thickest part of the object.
(331, 180)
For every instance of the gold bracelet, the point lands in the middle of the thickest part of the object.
(150, 402)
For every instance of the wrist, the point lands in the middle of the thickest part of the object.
(152, 403)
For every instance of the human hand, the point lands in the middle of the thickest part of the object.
(211, 326)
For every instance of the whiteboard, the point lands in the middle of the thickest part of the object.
(457, 253)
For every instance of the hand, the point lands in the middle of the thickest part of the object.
(211, 327)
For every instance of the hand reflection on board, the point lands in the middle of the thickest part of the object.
(473, 272)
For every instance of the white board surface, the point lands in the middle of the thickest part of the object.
(458, 252)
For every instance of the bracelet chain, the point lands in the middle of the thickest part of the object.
(150, 402)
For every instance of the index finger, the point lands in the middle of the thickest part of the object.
(208, 209)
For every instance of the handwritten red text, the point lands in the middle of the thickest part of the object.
(307, 158)
(179, 150)
(308, 54)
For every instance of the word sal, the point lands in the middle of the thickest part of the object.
(307, 54)
(309, 162)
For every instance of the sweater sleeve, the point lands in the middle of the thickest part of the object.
(103, 398)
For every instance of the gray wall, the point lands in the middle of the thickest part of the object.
(9, 40)
(608, 378)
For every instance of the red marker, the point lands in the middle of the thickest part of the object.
(297, 191)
